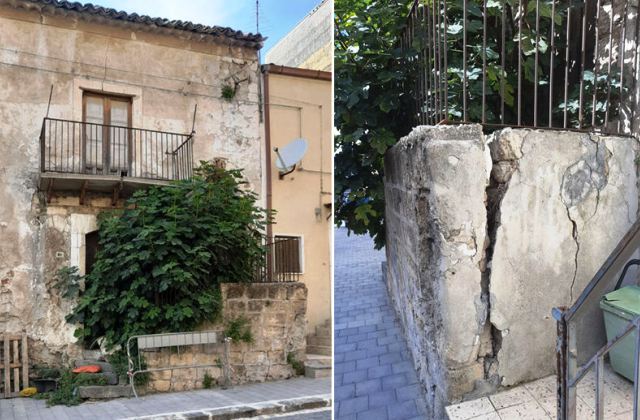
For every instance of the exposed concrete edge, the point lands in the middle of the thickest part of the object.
(248, 410)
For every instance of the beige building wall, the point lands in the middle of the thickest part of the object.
(308, 45)
(301, 107)
(167, 72)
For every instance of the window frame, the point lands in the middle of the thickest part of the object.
(106, 97)
(300, 238)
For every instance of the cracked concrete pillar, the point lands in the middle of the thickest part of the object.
(476, 263)
(436, 231)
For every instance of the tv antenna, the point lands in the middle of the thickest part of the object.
(289, 156)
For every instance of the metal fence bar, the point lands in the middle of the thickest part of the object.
(582, 62)
(566, 70)
(484, 61)
(503, 56)
(621, 49)
(464, 61)
(595, 67)
(551, 57)
(502, 47)
(608, 103)
(520, 19)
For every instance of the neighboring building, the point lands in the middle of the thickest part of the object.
(107, 69)
(309, 45)
(299, 105)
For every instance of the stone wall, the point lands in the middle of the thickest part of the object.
(485, 235)
(277, 315)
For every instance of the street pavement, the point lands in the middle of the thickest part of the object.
(374, 375)
(176, 404)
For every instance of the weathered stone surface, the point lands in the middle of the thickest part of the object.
(435, 181)
(165, 75)
(571, 199)
(474, 268)
(105, 392)
(277, 316)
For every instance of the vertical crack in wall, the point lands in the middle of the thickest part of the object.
(501, 172)
(574, 230)
(578, 182)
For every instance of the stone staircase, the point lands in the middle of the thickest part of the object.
(320, 341)
(115, 387)
(318, 362)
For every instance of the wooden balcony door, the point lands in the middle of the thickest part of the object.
(106, 134)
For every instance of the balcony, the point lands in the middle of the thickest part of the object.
(81, 157)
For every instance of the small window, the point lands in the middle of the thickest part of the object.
(90, 250)
(288, 254)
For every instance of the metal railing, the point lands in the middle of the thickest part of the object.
(75, 147)
(577, 350)
(534, 63)
(282, 261)
(173, 342)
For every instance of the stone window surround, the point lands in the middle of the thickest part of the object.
(80, 85)
(81, 224)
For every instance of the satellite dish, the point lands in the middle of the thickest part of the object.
(290, 155)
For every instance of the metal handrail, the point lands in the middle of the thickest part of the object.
(178, 339)
(569, 372)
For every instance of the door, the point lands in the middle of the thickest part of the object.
(106, 134)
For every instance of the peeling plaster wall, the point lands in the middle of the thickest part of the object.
(570, 199)
(525, 239)
(435, 181)
(166, 75)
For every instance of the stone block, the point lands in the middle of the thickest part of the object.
(256, 306)
(233, 291)
(235, 306)
(277, 292)
(297, 291)
(105, 392)
(258, 291)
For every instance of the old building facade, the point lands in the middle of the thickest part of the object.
(120, 94)
(298, 106)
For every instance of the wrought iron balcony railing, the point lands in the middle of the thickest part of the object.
(74, 147)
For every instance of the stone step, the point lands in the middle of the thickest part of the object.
(105, 392)
(317, 369)
(318, 359)
(314, 340)
(323, 350)
(323, 331)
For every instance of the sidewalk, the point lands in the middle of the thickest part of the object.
(537, 401)
(254, 399)
(374, 374)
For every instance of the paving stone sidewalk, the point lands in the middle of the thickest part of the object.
(374, 375)
(169, 405)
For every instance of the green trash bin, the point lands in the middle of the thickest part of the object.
(620, 307)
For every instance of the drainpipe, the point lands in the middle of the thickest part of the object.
(267, 140)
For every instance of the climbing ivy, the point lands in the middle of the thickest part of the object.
(162, 258)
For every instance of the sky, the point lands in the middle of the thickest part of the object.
(277, 17)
